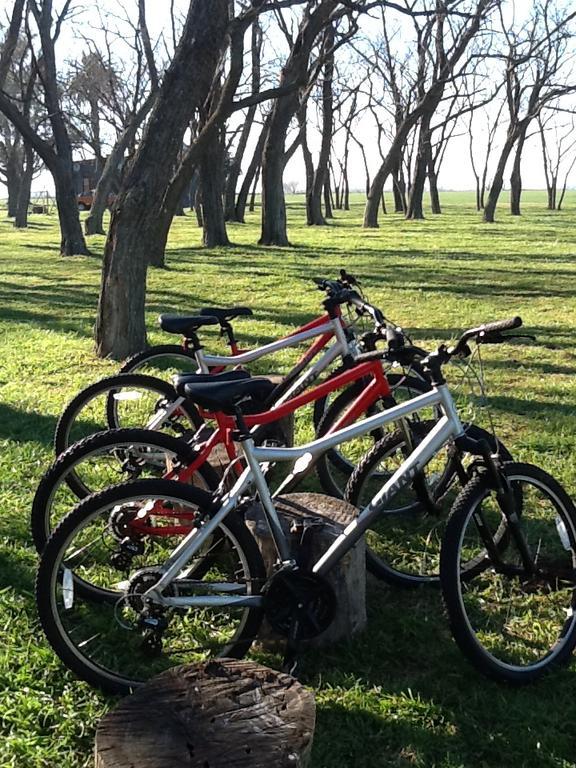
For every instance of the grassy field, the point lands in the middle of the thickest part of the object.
(399, 695)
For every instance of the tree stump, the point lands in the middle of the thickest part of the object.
(220, 714)
(348, 577)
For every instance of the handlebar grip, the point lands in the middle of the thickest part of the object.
(501, 325)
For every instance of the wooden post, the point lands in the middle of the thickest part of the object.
(219, 714)
(348, 577)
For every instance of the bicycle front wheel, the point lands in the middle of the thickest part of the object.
(121, 640)
(336, 465)
(513, 614)
(405, 539)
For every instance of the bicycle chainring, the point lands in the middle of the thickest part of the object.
(299, 605)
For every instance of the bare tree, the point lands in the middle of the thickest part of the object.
(118, 97)
(297, 76)
(533, 60)
(57, 154)
(463, 28)
(558, 141)
(120, 327)
(230, 209)
(320, 176)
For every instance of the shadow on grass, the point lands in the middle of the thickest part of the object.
(26, 426)
(409, 698)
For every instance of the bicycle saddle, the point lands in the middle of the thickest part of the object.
(185, 324)
(248, 393)
(180, 380)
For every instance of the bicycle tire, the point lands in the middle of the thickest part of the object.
(111, 653)
(332, 467)
(497, 651)
(133, 363)
(64, 470)
(406, 539)
(62, 435)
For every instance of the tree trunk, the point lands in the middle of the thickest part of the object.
(93, 223)
(198, 206)
(120, 324)
(416, 202)
(221, 712)
(212, 181)
(399, 189)
(498, 180)
(391, 161)
(295, 72)
(308, 162)
(552, 191)
(516, 177)
(316, 216)
(13, 180)
(435, 206)
(230, 211)
(21, 217)
(249, 175)
(252, 205)
(328, 214)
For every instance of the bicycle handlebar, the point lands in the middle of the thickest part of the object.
(487, 333)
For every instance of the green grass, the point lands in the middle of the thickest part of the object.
(399, 695)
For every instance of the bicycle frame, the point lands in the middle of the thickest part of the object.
(448, 427)
(299, 378)
(377, 388)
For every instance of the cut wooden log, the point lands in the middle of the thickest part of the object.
(348, 578)
(220, 714)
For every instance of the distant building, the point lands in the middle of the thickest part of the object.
(86, 174)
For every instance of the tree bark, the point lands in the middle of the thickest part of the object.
(252, 204)
(516, 177)
(399, 189)
(21, 217)
(110, 173)
(222, 712)
(390, 162)
(120, 324)
(295, 73)
(230, 209)
(250, 174)
(71, 237)
(212, 179)
(315, 214)
(416, 201)
(498, 180)
(328, 214)
(13, 180)
(308, 162)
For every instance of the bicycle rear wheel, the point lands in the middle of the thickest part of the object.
(513, 620)
(161, 360)
(120, 641)
(105, 459)
(136, 398)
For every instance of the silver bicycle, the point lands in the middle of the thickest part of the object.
(163, 600)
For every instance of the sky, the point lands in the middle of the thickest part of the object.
(456, 171)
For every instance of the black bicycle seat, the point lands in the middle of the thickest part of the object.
(248, 394)
(180, 380)
(185, 325)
